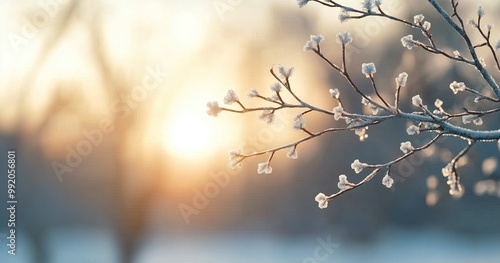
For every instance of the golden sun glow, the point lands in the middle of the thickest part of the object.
(189, 135)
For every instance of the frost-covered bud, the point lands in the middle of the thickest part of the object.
(497, 45)
(276, 87)
(253, 93)
(367, 5)
(317, 38)
(285, 72)
(264, 168)
(412, 130)
(334, 93)
(292, 153)
(456, 53)
(213, 108)
(447, 170)
(299, 122)
(230, 97)
(418, 19)
(308, 46)
(480, 11)
(466, 119)
(387, 180)
(406, 147)
(368, 69)
(472, 22)
(267, 116)
(337, 112)
(344, 38)
(314, 41)
(358, 166)
(302, 3)
(438, 103)
(342, 182)
(489, 26)
(401, 79)
(378, 2)
(416, 100)
(478, 121)
(235, 158)
(426, 25)
(344, 16)
(322, 200)
(457, 86)
(408, 42)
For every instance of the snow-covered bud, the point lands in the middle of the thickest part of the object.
(337, 112)
(406, 147)
(322, 200)
(334, 93)
(235, 158)
(267, 116)
(292, 153)
(344, 15)
(213, 108)
(457, 86)
(358, 166)
(344, 38)
(299, 122)
(230, 97)
(426, 25)
(416, 100)
(368, 69)
(480, 11)
(408, 42)
(412, 130)
(285, 72)
(418, 19)
(401, 79)
(302, 3)
(276, 87)
(342, 182)
(367, 5)
(387, 180)
(264, 168)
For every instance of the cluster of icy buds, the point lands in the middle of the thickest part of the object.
(358, 166)
(322, 200)
(466, 119)
(344, 38)
(313, 42)
(419, 21)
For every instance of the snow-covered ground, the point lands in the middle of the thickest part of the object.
(91, 245)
